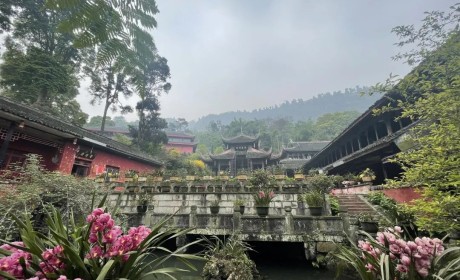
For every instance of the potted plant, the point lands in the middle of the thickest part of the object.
(242, 175)
(214, 207)
(315, 202)
(367, 175)
(143, 202)
(260, 179)
(262, 201)
(349, 180)
(368, 222)
(100, 178)
(131, 176)
(337, 180)
(142, 177)
(113, 176)
(224, 175)
(238, 205)
(158, 175)
(173, 175)
(298, 174)
(191, 175)
(279, 173)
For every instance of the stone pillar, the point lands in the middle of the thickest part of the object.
(237, 226)
(192, 222)
(288, 220)
(67, 158)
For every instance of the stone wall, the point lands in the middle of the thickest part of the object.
(180, 203)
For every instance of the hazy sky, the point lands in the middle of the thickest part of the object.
(233, 55)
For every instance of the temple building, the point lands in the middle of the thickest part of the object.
(62, 146)
(296, 154)
(182, 142)
(241, 152)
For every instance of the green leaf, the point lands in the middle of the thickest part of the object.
(105, 270)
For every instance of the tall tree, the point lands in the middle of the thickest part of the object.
(328, 126)
(39, 65)
(152, 79)
(431, 95)
(108, 84)
(113, 28)
(6, 12)
(96, 121)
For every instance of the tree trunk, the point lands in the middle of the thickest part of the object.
(106, 108)
(107, 98)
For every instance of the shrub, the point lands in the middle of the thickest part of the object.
(34, 187)
(260, 178)
(228, 260)
(313, 198)
(335, 207)
(321, 183)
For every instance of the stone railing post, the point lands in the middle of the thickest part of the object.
(288, 220)
(236, 219)
(192, 217)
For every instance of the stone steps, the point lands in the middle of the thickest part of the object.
(354, 204)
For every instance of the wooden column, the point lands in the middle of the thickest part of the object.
(6, 143)
(388, 126)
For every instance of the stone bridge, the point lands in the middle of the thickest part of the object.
(288, 219)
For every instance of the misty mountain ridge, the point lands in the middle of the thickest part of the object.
(351, 99)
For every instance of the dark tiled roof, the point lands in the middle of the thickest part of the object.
(314, 146)
(39, 117)
(240, 139)
(179, 134)
(110, 129)
(254, 153)
(228, 154)
(372, 147)
(206, 158)
(276, 156)
(293, 163)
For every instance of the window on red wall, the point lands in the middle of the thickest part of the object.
(14, 158)
(112, 172)
(81, 168)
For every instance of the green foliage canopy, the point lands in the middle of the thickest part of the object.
(431, 95)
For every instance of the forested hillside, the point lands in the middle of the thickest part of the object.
(298, 109)
(275, 133)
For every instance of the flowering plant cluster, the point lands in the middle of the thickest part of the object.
(108, 241)
(263, 197)
(409, 257)
(96, 250)
(389, 256)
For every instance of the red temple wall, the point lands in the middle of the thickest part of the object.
(102, 159)
(46, 152)
(180, 148)
(402, 195)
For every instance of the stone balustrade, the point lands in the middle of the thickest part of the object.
(288, 220)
